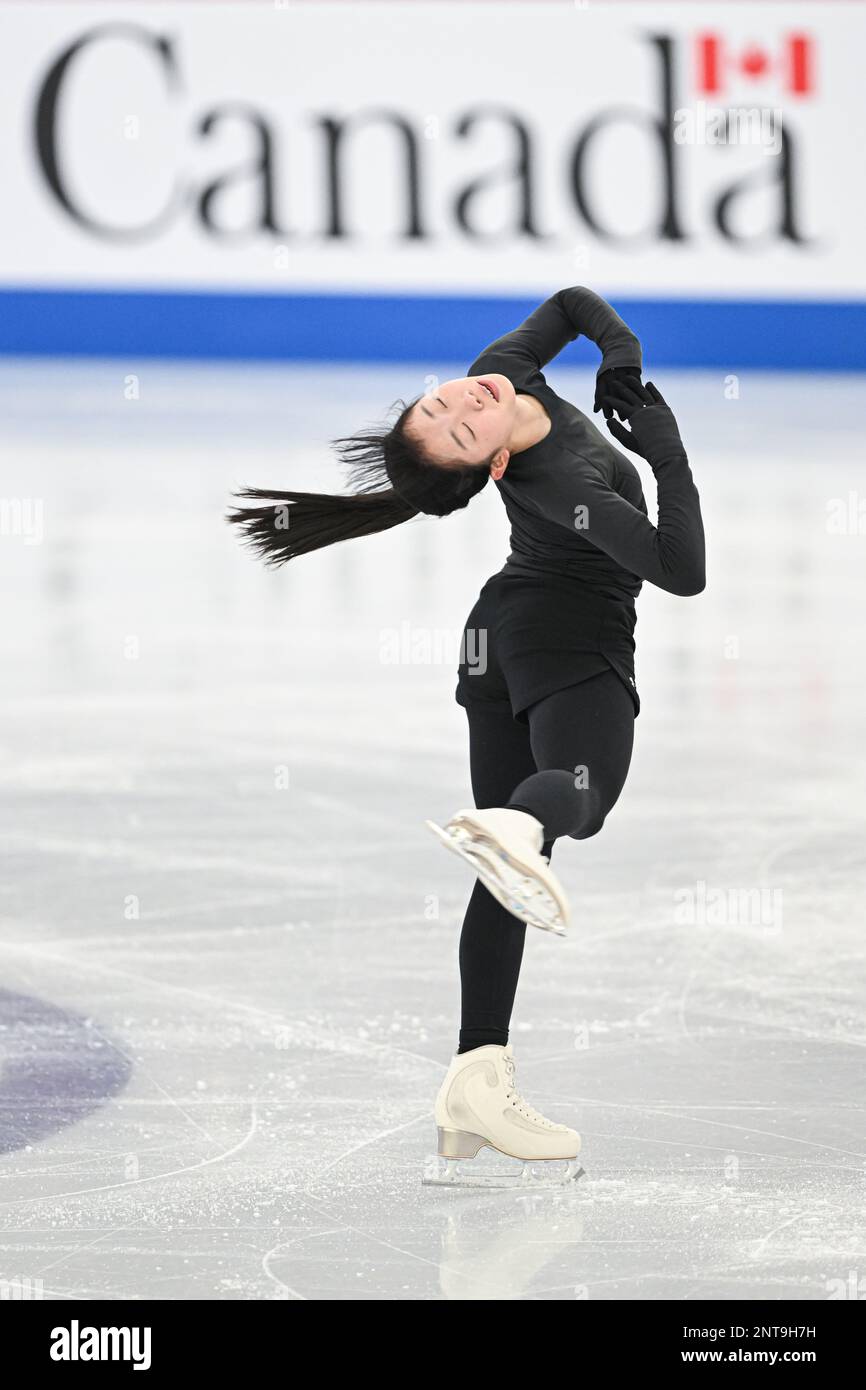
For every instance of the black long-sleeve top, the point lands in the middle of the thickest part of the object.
(575, 502)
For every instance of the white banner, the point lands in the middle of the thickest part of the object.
(652, 149)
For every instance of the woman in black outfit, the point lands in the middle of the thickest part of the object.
(551, 706)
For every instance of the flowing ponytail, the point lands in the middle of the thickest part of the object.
(296, 523)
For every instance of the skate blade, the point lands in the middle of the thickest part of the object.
(490, 866)
(521, 892)
(498, 1172)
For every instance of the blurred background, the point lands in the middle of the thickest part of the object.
(236, 231)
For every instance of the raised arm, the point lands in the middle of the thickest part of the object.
(671, 554)
(564, 317)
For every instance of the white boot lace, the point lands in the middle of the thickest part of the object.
(514, 1098)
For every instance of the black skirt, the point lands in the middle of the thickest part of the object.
(529, 636)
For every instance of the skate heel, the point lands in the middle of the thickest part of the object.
(456, 1143)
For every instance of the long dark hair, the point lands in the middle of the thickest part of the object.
(391, 481)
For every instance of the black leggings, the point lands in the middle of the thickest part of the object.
(567, 769)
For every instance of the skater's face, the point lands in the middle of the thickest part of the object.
(466, 422)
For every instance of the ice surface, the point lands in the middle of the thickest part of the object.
(229, 943)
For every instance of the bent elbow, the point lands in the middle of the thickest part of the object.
(687, 584)
(688, 576)
(695, 585)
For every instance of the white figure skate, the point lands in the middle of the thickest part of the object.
(479, 1107)
(504, 849)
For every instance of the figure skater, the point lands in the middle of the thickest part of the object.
(551, 706)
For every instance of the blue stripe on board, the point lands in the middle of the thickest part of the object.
(787, 334)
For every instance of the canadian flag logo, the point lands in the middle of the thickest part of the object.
(793, 63)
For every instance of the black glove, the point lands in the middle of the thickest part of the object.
(606, 383)
(653, 431)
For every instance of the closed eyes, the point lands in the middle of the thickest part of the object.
(438, 399)
(468, 427)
